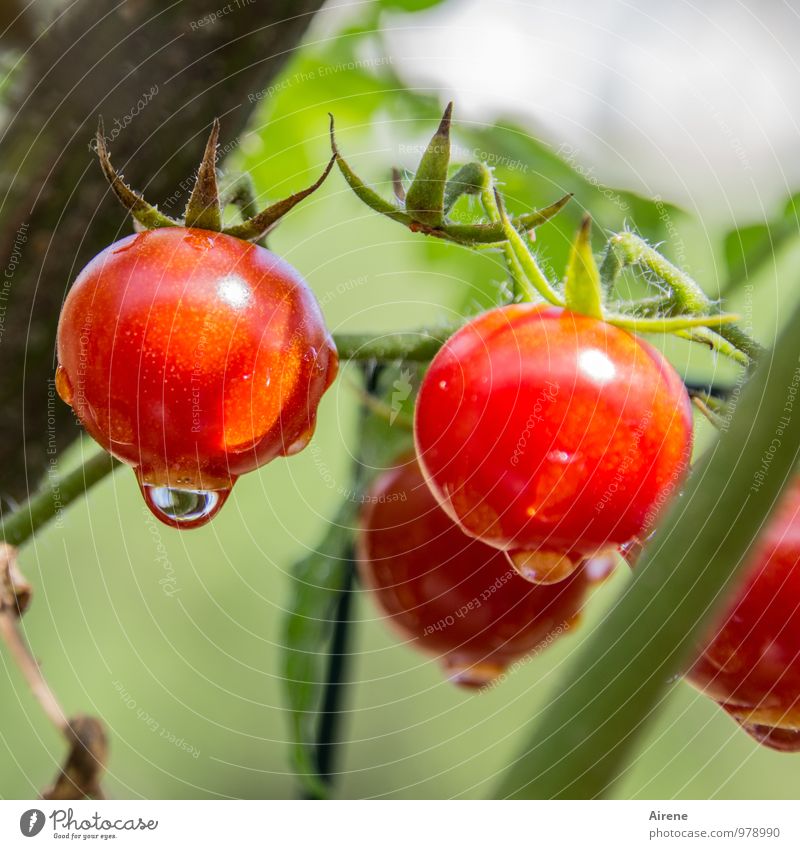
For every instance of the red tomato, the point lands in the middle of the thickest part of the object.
(194, 357)
(751, 663)
(451, 595)
(551, 435)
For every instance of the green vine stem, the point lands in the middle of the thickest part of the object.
(583, 740)
(415, 345)
(687, 295)
(57, 493)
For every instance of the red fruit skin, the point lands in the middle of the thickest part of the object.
(751, 661)
(541, 429)
(193, 356)
(453, 596)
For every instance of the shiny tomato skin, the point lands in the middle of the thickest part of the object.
(193, 356)
(539, 429)
(450, 595)
(750, 663)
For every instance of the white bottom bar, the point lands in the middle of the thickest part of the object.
(400, 825)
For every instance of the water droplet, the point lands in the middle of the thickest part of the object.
(543, 567)
(781, 739)
(199, 239)
(63, 386)
(300, 443)
(472, 675)
(183, 508)
(332, 369)
(600, 566)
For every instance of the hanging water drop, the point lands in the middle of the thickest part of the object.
(300, 443)
(183, 508)
(63, 386)
(472, 674)
(543, 567)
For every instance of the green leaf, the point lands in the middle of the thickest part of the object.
(582, 289)
(317, 582)
(615, 684)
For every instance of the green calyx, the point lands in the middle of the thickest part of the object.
(686, 311)
(424, 207)
(207, 201)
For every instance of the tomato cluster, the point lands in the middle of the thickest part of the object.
(547, 437)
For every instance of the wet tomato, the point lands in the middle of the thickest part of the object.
(450, 595)
(551, 435)
(750, 664)
(194, 357)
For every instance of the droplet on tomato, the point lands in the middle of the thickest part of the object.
(301, 442)
(600, 566)
(543, 567)
(183, 508)
(472, 676)
(781, 739)
(63, 386)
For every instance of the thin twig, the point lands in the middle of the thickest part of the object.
(88, 747)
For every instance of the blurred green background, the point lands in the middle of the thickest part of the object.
(174, 638)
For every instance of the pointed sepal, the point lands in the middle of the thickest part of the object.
(471, 179)
(259, 225)
(144, 214)
(582, 288)
(670, 324)
(493, 233)
(362, 191)
(203, 209)
(425, 196)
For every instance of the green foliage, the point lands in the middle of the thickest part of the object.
(317, 583)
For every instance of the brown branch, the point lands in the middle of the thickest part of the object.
(88, 747)
(85, 764)
(159, 73)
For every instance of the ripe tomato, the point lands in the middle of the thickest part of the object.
(751, 662)
(551, 435)
(451, 595)
(194, 357)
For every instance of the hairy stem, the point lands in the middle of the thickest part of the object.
(686, 293)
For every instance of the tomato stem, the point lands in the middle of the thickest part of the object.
(56, 494)
(686, 293)
(490, 206)
(533, 278)
(417, 345)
